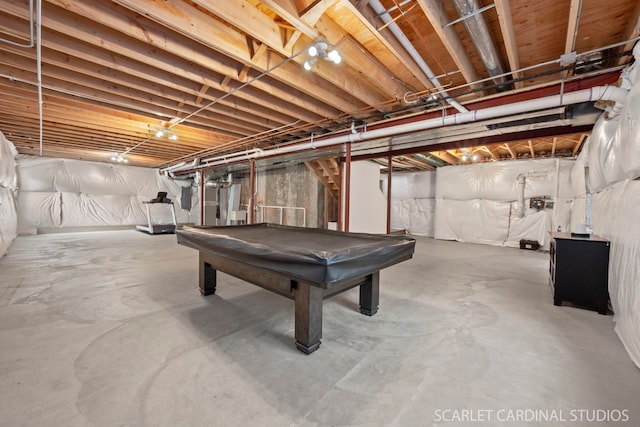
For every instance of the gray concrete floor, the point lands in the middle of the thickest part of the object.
(109, 329)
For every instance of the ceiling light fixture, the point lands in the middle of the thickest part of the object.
(118, 158)
(166, 133)
(322, 49)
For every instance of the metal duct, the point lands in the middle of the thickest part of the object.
(479, 31)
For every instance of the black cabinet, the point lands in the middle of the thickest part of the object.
(579, 271)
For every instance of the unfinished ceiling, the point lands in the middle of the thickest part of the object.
(227, 76)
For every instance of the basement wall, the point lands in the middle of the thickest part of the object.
(289, 190)
(413, 201)
(67, 195)
(8, 212)
(481, 203)
(612, 155)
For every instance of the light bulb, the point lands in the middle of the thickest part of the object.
(172, 137)
(474, 157)
(307, 65)
(313, 51)
(160, 133)
(334, 56)
(464, 157)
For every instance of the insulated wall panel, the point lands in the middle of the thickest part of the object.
(490, 202)
(615, 217)
(412, 201)
(8, 212)
(497, 180)
(74, 193)
(474, 221)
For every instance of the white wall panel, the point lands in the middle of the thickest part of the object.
(73, 193)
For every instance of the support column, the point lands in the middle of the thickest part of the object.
(252, 189)
(202, 197)
(389, 172)
(347, 187)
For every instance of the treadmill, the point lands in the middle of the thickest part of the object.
(151, 228)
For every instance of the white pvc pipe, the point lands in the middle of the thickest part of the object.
(404, 41)
(522, 180)
(596, 93)
(39, 65)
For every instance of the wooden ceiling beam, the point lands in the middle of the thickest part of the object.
(184, 58)
(115, 96)
(99, 62)
(445, 157)
(241, 14)
(437, 16)
(69, 110)
(632, 31)
(493, 149)
(423, 163)
(356, 57)
(572, 29)
(368, 18)
(196, 25)
(578, 144)
(507, 28)
(511, 152)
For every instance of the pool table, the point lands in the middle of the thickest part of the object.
(303, 264)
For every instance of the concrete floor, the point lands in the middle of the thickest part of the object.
(109, 329)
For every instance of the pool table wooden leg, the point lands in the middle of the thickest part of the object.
(207, 277)
(370, 294)
(308, 317)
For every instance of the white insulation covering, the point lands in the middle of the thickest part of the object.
(489, 202)
(412, 201)
(613, 156)
(8, 212)
(60, 193)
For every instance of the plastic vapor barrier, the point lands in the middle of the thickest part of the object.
(496, 180)
(604, 151)
(8, 211)
(612, 154)
(615, 217)
(412, 201)
(62, 193)
(489, 203)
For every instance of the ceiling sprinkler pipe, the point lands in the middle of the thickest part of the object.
(402, 38)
